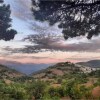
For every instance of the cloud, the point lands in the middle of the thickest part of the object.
(50, 42)
(47, 42)
(20, 8)
(27, 56)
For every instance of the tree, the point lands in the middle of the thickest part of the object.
(6, 33)
(75, 17)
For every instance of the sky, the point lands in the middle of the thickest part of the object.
(37, 42)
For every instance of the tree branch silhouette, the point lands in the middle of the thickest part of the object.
(76, 17)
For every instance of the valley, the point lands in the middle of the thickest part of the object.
(62, 81)
(49, 49)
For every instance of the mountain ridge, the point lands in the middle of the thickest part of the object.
(31, 68)
(25, 68)
(7, 73)
(91, 63)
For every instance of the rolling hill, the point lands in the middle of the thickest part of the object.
(73, 78)
(7, 73)
(61, 69)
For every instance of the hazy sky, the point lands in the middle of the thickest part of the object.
(57, 49)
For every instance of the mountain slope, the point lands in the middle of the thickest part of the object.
(59, 69)
(62, 69)
(91, 63)
(6, 73)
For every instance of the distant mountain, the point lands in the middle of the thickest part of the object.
(91, 63)
(6, 73)
(27, 68)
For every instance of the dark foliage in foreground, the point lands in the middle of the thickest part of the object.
(76, 17)
(6, 33)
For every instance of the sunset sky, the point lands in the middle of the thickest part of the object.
(58, 50)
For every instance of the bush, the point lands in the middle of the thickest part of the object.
(37, 89)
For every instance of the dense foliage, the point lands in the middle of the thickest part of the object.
(6, 33)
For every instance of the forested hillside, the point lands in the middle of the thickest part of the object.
(63, 81)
